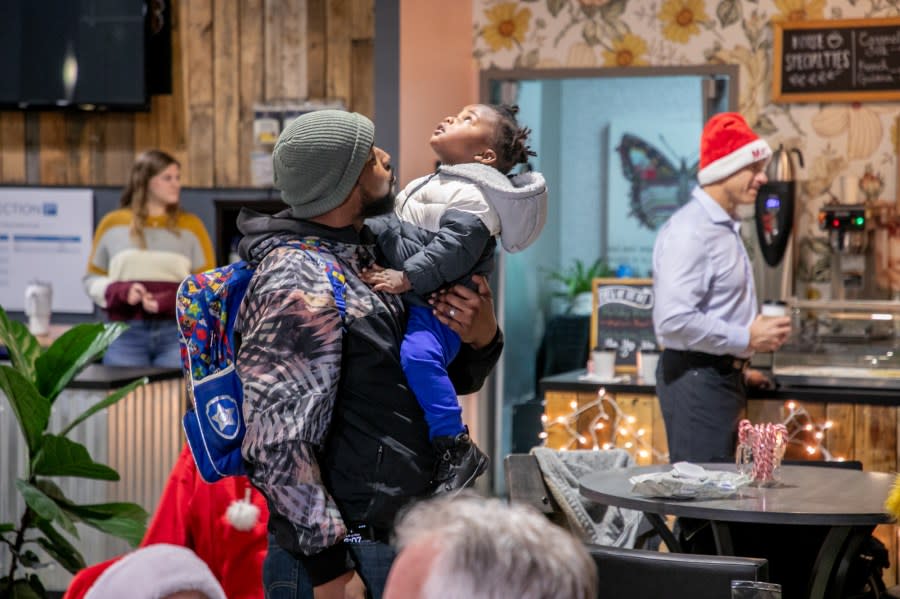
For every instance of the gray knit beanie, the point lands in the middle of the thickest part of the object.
(318, 159)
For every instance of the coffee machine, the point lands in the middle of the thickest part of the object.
(851, 230)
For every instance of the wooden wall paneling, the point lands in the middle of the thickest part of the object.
(641, 408)
(252, 79)
(362, 77)
(115, 149)
(285, 50)
(197, 41)
(876, 437)
(226, 101)
(146, 131)
(315, 48)
(765, 410)
(839, 438)
(584, 420)
(178, 112)
(81, 139)
(556, 405)
(52, 154)
(12, 147)
(362, 19)
(338, 51)
(658, 437)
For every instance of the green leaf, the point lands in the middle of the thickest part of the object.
(59, 548)
(23, 589)
(555, 6)
(23, 347)
(109, 400)
(728, 12)
(44, 506)
(31, 409)
(75, 349)
(7, 527)
(30, 559)
(59, 456)
(123, 520)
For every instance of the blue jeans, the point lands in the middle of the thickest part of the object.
(146, 343)
(285, 578)
(427, 349)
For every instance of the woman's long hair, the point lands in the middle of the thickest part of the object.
(136, 193)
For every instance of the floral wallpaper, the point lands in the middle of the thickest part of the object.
(858, 139)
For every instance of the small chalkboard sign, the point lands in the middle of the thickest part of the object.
(853, 60)
(623, 319)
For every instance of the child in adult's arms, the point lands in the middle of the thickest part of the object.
(443, 231)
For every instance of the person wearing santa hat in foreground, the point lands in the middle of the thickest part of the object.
(157, 572)
(705, 308)
(223, 524)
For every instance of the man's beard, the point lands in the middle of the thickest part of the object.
(372, 206)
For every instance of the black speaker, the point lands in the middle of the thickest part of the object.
(158, 55)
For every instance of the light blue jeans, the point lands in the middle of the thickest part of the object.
(285, 578)
(146, 343)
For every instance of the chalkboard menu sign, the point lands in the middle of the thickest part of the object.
(623, 319)
(852, 60)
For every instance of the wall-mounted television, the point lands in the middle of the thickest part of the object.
(80, 54)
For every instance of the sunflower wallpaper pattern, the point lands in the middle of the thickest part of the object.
(858, 139)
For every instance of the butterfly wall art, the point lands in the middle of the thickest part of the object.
(658, 187)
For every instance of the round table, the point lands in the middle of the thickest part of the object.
(849, 503)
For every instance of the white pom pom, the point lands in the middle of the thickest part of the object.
(242, 514)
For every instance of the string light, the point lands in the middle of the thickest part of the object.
(607, 420)
(621, 429)
(800, 423)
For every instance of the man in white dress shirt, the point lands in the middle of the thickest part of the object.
(705, 313)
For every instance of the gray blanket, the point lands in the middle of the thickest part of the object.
(593, 522)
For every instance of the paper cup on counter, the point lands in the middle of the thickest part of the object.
(604, 363)
(646, 365)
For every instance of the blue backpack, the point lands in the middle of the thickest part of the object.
(206, 308)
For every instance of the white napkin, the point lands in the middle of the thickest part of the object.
(688, 481)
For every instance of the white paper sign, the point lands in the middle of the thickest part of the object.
(45, 234)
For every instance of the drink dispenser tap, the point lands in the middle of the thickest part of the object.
(775, 205)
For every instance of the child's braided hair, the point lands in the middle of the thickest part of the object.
(511, 140)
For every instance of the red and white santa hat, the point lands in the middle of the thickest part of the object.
(728, 144)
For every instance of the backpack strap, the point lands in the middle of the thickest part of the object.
(313, 247)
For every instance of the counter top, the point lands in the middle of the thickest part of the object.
(97, 376)
(572, 381)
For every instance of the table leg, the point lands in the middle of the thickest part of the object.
(841, 545)
(660, 526)
(722, 536)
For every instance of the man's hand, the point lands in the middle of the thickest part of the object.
(469, 313)
(386, 279)
(135, 294)
(769, 333)
(756, 379)
(346, 586)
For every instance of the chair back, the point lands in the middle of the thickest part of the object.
(642, 574)
(525, 484)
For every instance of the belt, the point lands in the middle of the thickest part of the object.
(685, 360)
(359, 533)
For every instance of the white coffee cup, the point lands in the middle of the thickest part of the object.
(646, 363)
(774, 308)
(604, 363)
(38, 307)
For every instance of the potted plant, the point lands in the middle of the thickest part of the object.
(577, 284)
(31, 383)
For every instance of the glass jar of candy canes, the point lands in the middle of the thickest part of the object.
(760, 451)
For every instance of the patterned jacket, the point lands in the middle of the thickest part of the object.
(334, 435)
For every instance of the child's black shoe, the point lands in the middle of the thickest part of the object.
(460, 462)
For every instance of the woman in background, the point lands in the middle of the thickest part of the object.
(141, 253)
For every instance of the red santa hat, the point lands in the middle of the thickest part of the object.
(728, 144)
(155, 571)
